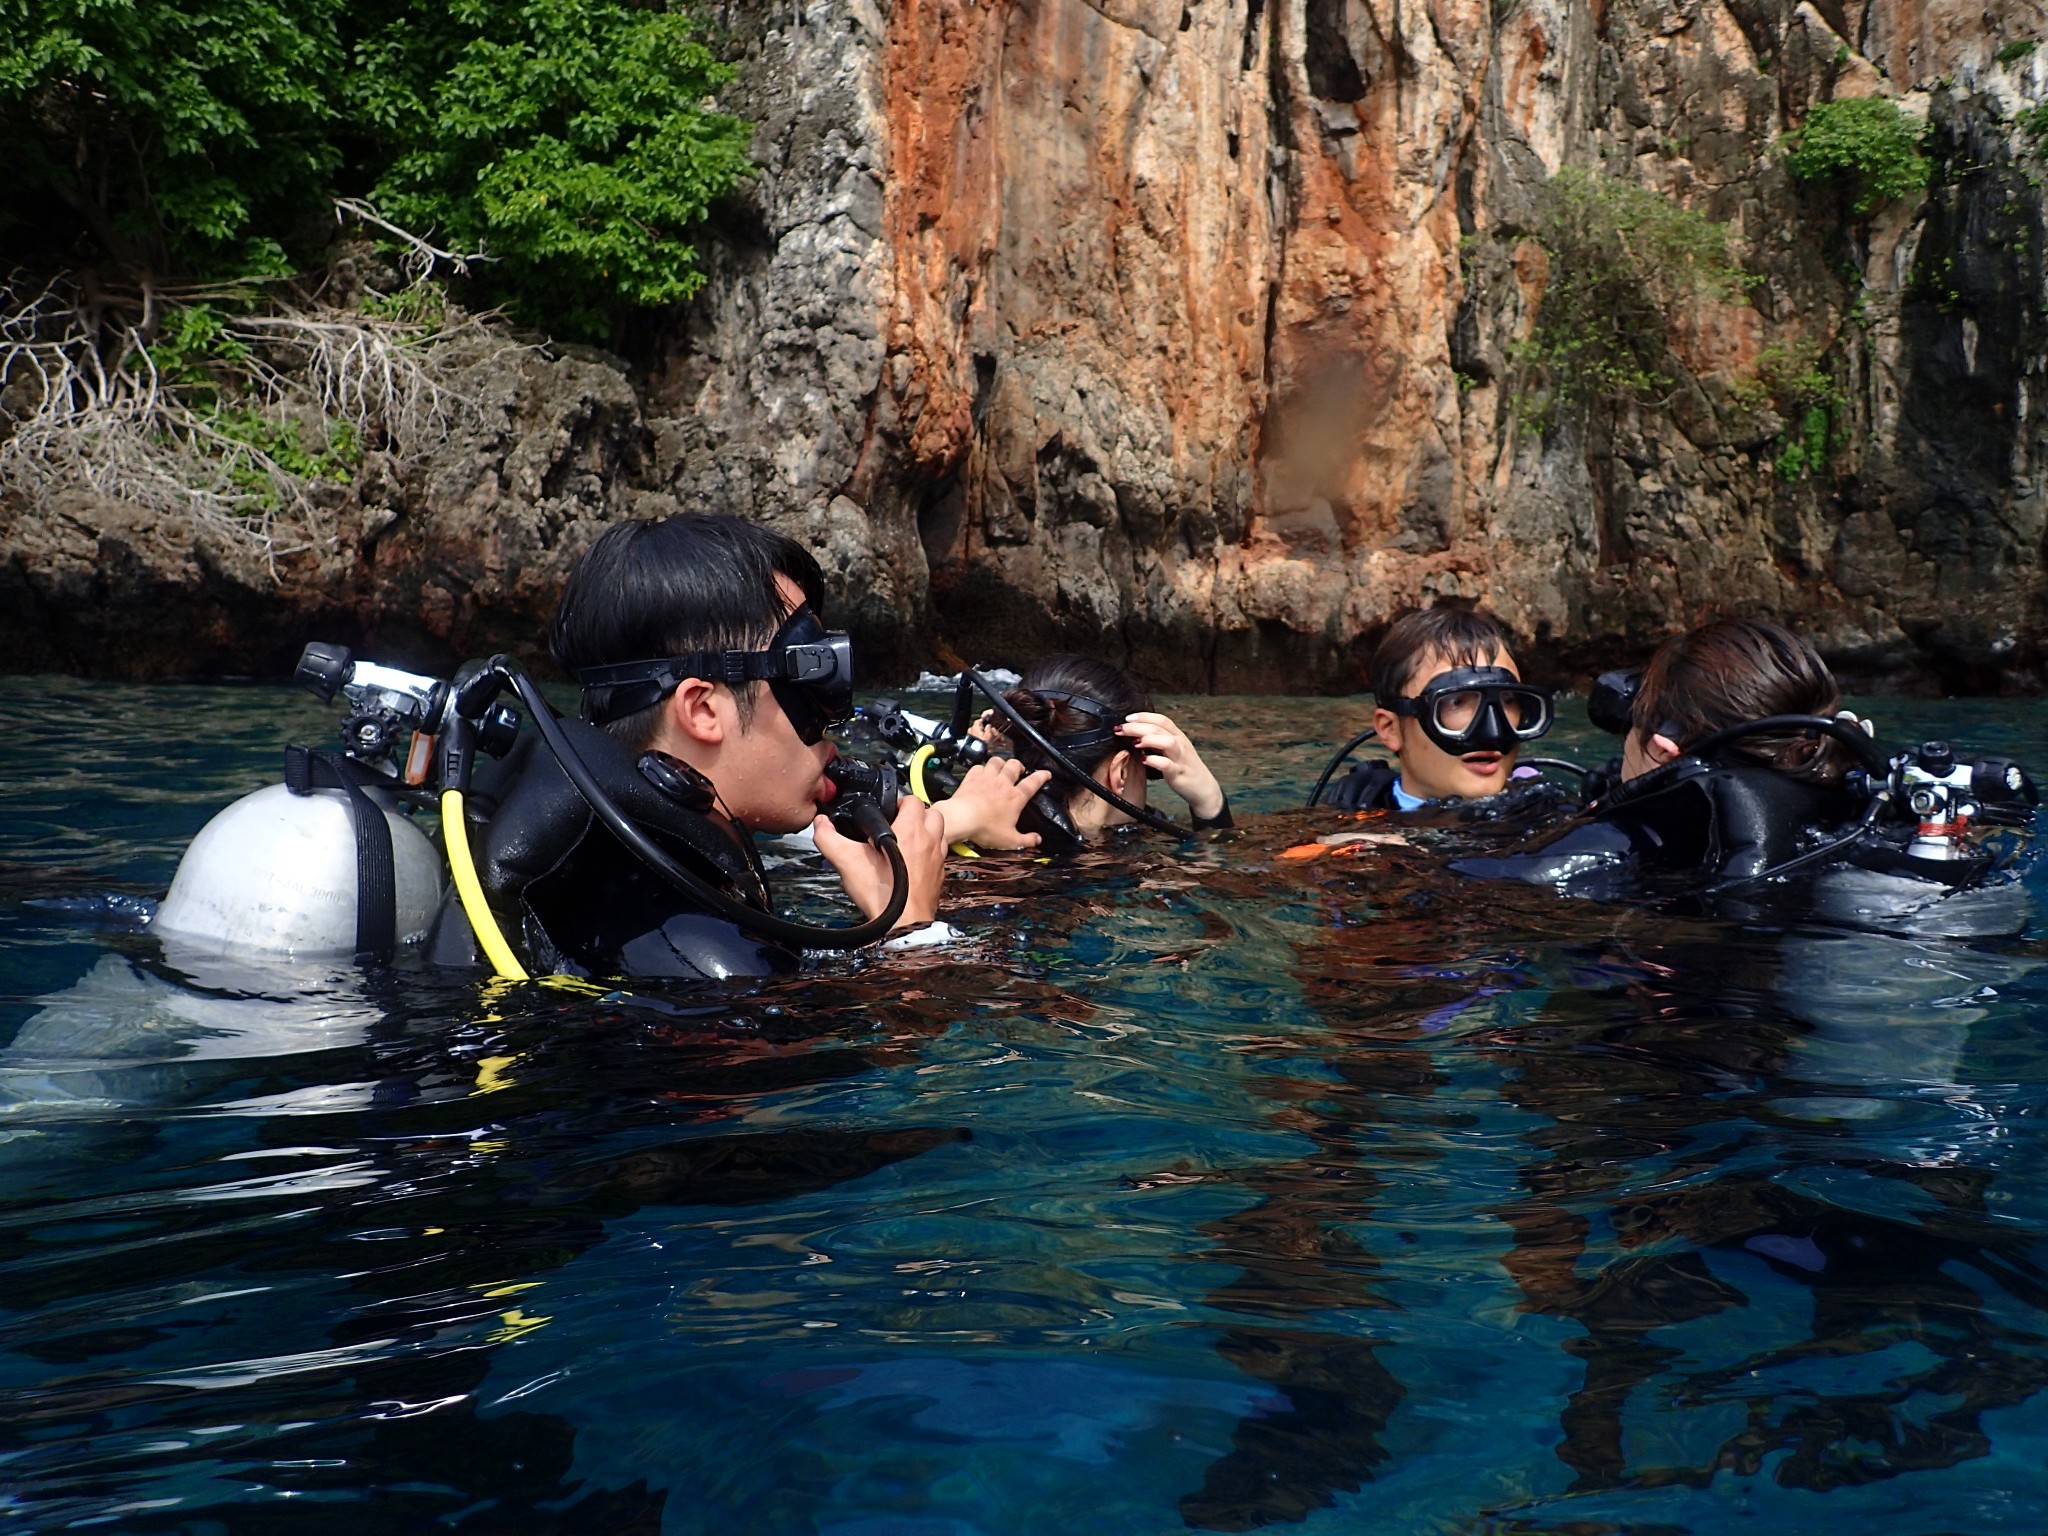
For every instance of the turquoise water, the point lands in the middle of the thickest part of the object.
(1205, 1190)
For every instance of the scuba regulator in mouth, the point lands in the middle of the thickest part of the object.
(865, 806)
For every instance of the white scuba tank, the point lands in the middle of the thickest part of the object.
(275, 873)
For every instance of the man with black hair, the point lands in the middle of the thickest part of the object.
(1451, 707)
(697, 644)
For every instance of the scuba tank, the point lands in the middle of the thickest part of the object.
(277, 872)
(326, 863)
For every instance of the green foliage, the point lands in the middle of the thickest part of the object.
(336, 460)
(2012, 53)
(202, 139)
(1623, 260)
(1804, 450)
(1864, 141)
(2034, 120)
(1790, 380)
(558, 141)
(178, 131)
(193, 349)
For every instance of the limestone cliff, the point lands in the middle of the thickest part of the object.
(1183, 330)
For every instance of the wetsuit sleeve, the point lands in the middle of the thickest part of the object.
(1217, 823)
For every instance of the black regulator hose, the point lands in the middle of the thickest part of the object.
(766, 924)
(1072, 769)
(1867, 752)
(1315, 796)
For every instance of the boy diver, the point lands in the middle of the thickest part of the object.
(1451, 706)
(673, 628)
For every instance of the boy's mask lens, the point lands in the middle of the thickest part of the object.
(1479, 709)
(1455, 712)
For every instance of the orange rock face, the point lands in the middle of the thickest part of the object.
(1200, 324)
(1196, 333)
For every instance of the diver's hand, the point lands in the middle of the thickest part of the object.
(1165, 746)
(991, 796)
(864, 868)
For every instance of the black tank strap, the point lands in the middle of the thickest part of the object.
(306, 770)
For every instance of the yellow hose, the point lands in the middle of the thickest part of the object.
(918, 759)
(455, 833)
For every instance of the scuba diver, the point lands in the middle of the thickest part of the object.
(620, 844)
(708, 683)
(1056, 761)
(1451, 706)
(1103, 722)
(1739, 766)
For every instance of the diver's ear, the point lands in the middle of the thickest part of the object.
(1663, 749)
(1386, 725)
(1116, 773)
(694, 715)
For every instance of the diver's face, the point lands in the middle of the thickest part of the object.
(763, 772)
(1427, 770)
(768, 778)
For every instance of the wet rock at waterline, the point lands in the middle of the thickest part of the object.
(1188, 332)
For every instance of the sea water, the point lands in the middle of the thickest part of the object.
(1203, 1188)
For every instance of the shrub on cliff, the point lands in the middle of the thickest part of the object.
(1791, 382)
(1865, 143)
(189, 141)
(1623, 260)
(567, 141)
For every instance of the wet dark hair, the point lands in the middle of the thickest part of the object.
(1085, 678)
(1464, 637)
(694, 582)
(1733, 670)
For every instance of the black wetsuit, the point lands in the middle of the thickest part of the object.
(1722, 822)
(1370, 787)
(570, 897)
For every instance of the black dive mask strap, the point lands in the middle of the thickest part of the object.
(1100, 734)
(1064, 766)
(807, 667)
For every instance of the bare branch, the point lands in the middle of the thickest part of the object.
(420, 258)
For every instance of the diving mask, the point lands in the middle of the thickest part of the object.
(1477, 709)
(1611, 703)
(808, 668)
(1100, 734)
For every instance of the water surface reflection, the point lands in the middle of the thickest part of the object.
(1207, 1190)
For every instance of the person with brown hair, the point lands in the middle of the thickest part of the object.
(1698, 793)
(1726, 673)
(1451, 706)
